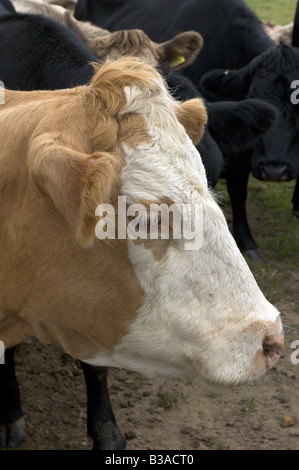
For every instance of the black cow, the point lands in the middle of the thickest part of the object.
(60, 60)
(232, 126)
(233, 39)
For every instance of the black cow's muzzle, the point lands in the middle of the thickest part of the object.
(272, 171)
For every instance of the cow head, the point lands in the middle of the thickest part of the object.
(268, 77)
(162, 306)
(177, 52)
(232, 126)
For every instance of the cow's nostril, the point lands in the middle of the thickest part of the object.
(272, 347)
(274, 171)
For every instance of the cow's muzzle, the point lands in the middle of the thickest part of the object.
(272, 171)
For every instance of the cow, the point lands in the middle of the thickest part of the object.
(104, 44)
(284, 35)
(64, 61)
(154, 306)
(232, 126)
(238, 60)
(279, 34)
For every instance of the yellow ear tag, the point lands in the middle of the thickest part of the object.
(178, 60)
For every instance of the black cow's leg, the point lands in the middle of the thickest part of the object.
(237, 189)
(101, 423)
(295, 200)
(11, 416)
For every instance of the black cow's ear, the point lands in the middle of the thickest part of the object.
(237, 127)
(220, 85)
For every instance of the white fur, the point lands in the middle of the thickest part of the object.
(203, 312)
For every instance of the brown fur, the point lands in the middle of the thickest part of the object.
(190, 111)
(60, 157)
(279, 34)
(187, 45)
(134, 42)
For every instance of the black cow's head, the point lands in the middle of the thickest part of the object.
(267, 77)
(232, 127)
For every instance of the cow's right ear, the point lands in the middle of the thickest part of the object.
(181, 50)
(193, 116)
(225, 85)
(75, 182)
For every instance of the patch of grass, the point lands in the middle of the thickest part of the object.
(280, 231)
(280, 11)
(167, 399)
(269, 211)
(250, 404)
(291, 326)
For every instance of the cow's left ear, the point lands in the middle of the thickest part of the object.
(75, 182)
(192, 115)
(181, 50)
(225, 85)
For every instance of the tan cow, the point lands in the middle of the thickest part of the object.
(279, 34)
(177, 52)
(148, 305)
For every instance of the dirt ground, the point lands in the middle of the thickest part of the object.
(170, 415)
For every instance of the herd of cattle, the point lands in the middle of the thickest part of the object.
(95, 108)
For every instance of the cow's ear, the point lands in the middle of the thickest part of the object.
(181, 50)
(239, 126)
(75, 182)
(229, 85)
(192, 115)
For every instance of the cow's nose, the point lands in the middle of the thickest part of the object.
(274, 171)
(272, 347)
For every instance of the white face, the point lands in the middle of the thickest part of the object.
(203, 312)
